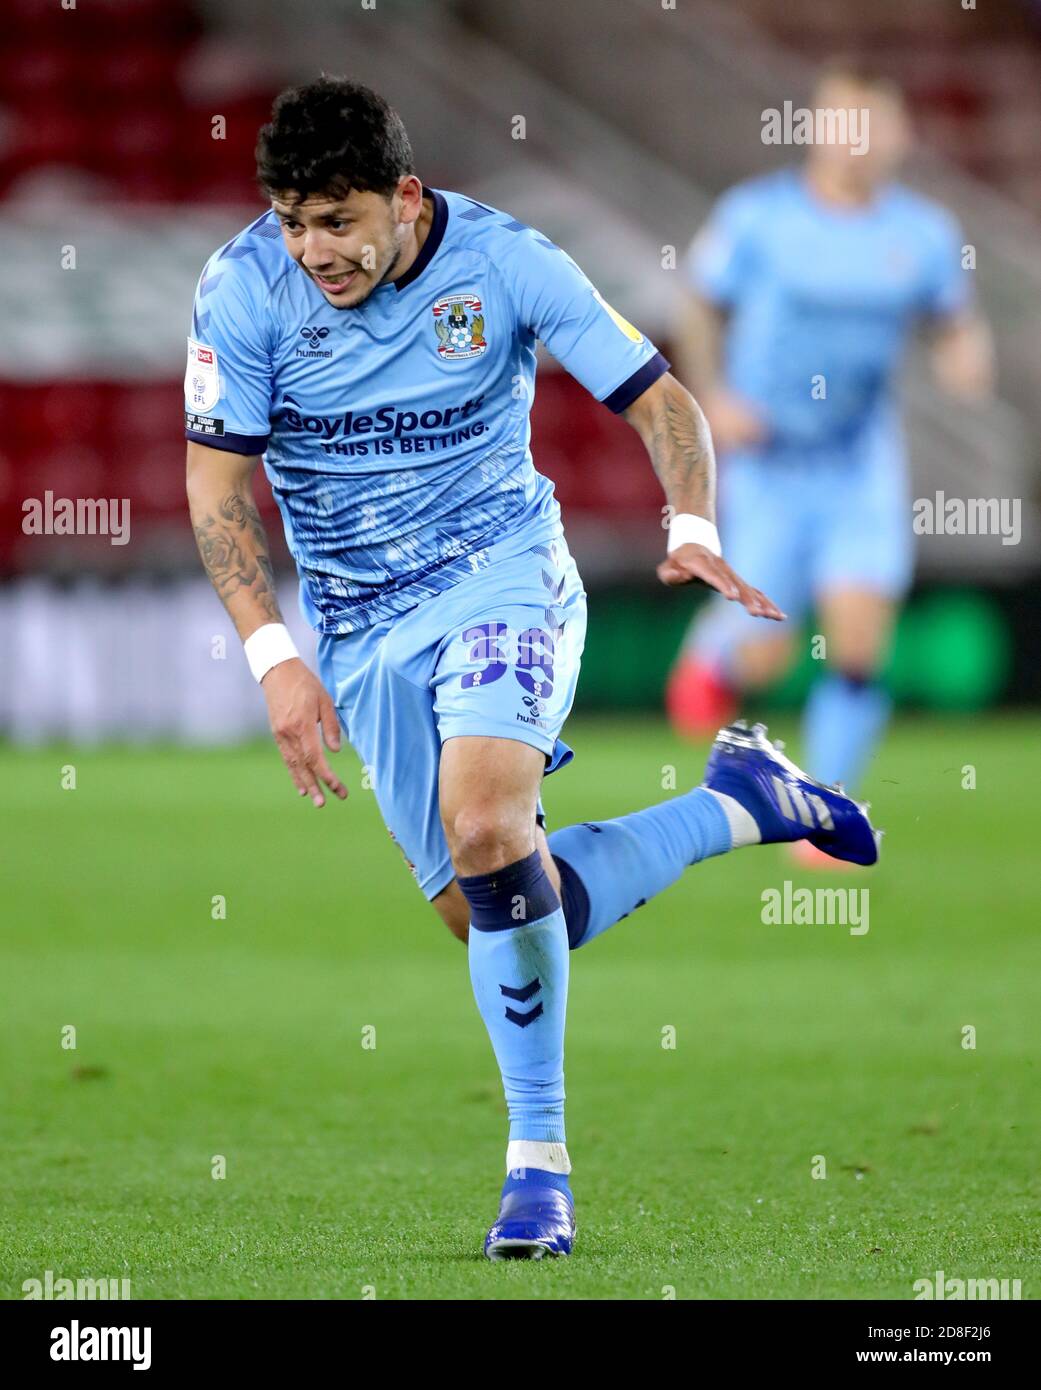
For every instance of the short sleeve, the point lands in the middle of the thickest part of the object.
(227, 381)
(556, 301)
(721, 256)
(947, 287)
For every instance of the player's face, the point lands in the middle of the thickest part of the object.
(883, 134)
(346, 245)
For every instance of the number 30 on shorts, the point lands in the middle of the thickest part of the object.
(534, 653)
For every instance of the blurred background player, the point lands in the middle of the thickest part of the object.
(805, 287)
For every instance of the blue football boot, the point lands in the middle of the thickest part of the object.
(536, 1217)
(784, 802)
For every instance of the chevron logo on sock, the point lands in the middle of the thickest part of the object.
(522, 996)
(522, 1020)
(525, 992)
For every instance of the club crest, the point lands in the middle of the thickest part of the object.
(459, 325)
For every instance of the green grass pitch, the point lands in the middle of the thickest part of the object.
(352, 1169)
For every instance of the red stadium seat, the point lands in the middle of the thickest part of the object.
(160, 183)
(137, 133)
(69, 414)
(37, 73)
(153, 480)
(137, 71)
(144, 415)
(68, 470)
(43, 135)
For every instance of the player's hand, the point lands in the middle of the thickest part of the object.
(297, 703)
(689, 564)
(732, 420)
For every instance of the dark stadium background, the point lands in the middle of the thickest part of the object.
(106, 119)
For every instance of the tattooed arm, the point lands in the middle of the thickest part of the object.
(234, 550)
(671, 425)
(230, 535)
(676, 435)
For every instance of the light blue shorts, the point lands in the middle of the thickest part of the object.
(497, 655)
(800, 523)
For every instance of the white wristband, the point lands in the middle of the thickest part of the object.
(687, 529)
(268, 646)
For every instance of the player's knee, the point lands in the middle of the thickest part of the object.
(858, 629)
(482, 839)
(856, 658)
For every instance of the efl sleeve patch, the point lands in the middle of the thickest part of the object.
(201, 378)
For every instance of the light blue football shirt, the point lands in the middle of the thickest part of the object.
(396, 434)
(819, 294)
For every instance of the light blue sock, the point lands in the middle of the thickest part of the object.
(519, 964)
(608, 868)
(844, 719)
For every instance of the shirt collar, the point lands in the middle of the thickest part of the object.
(434, 238)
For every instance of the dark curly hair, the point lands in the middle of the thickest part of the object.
(330, 136)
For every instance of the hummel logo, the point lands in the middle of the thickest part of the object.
(807, 808)
(522, 996)
(314, 336)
